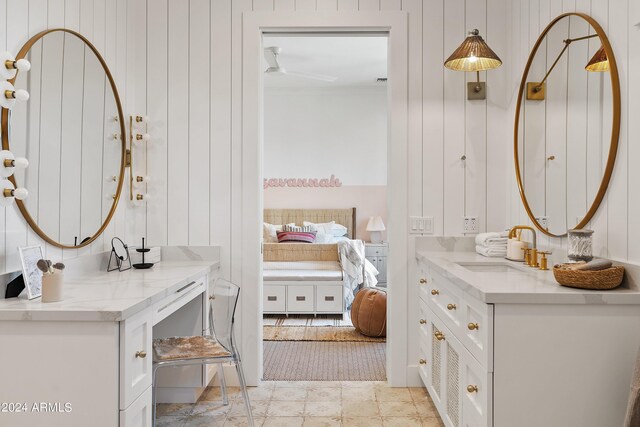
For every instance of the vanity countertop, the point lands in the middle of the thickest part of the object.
(522, 286)
(112, 296)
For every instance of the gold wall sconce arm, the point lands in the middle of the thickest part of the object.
(536, 90)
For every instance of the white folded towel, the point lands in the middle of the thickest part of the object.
(491, 252)
(483, 239)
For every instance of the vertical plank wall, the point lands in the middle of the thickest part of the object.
(193, 51)
(616, 224)
(104, 23)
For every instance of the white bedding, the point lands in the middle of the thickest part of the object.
(302, 270)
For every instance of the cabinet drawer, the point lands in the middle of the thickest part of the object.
(300, 298)
(375, 250)
(139, 413)
(135, 356)
(183, 295)
(477, 331)
(476, 386)
(274, 298)
(329, 298)
(445, 302)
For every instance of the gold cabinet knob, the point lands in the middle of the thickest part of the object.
(423, 281)
(141, 354)
(422, 362)
(473, 326)
(435, 292)
(472, 388)
(451, 307)
(422, 321)
(439, 336)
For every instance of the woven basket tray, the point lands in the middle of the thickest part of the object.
(599, 279)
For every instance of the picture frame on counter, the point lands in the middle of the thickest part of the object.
(29, 257)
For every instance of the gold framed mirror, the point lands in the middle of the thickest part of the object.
(567, 124)
(72, 132)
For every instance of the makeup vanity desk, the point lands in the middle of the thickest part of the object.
(92, 351)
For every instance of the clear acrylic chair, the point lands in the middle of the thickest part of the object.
(215, 346)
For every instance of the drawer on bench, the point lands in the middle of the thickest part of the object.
(274, 298)
(329, 298)
(300, 298)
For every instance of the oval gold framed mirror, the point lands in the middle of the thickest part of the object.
(72, 132)
(567, 124)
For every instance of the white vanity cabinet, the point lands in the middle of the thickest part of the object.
(511, 349)
(93, 350)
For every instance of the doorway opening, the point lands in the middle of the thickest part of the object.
(325, 132)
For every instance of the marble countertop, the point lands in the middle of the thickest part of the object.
(522, 286)
(112, 296)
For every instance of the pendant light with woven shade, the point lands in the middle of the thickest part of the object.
(474, 55)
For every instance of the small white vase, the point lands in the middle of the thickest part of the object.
(52, 287)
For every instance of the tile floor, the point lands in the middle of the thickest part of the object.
(308, 404)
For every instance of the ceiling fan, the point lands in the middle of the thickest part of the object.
(271, 55)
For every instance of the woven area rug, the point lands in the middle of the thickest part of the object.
(324, 361)
(316, 333)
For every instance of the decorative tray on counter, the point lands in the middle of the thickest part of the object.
(608, 278)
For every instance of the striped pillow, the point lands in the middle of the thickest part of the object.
(296, 236)
(298, 229)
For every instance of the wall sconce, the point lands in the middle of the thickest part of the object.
(11, 66)
(141, 199)
(9, 163)
(474, 55)
(138, 180)
(10, 95)
(599, 62)
(10, 193)
(141, 119)
(143, 179)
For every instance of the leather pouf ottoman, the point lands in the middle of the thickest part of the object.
(369, 312)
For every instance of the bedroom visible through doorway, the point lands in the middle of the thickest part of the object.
(325, 206)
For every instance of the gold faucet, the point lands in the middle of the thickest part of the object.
(532, 259)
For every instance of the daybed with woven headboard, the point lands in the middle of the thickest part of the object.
(303, 277)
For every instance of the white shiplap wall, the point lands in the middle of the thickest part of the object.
(191, 87)
(108, 24)
(193, 94)
(616, 224)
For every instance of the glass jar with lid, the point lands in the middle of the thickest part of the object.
(580, 245)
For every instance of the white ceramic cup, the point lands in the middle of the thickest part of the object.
(52, 287)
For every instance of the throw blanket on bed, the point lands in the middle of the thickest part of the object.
(356, 268)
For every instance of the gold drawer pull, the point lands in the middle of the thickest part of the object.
(439, 336)
(473, 326)
(423, 281)
(435, 292)
(451, 307)
(422, 362)
(141, 354)
(422, 321)
(472, 388)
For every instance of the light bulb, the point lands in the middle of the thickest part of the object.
(473, 59)
(20, 193)
(142, 119)
(143, 137)
(22, 65)
(21, 95)
(143, 179)
(21, 163)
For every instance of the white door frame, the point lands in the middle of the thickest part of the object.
(255, 24)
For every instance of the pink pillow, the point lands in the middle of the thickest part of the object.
(296, 236)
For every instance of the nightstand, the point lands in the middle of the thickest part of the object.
(377, 254)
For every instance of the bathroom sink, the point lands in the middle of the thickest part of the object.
(491, 267)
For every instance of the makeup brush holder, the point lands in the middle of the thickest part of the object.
(52, 285)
